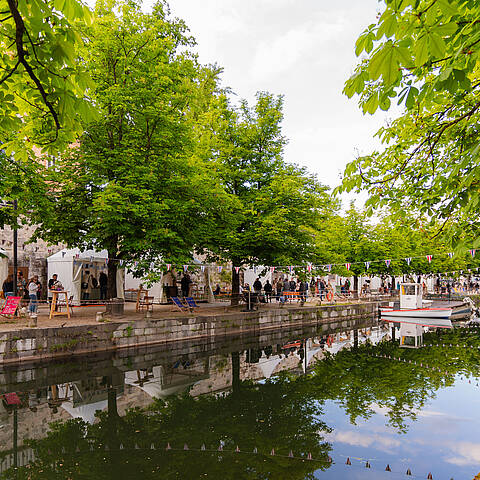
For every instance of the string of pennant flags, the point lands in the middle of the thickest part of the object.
(277, 268)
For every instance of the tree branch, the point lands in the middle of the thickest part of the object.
(19, 31)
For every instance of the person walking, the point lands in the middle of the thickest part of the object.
(33, 295)
(268, 291)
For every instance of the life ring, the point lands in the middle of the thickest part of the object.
(330, 296)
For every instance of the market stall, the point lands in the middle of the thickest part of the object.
(79, 273)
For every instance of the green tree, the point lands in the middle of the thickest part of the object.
(278, 204)
(424, 54)
(43, 87)
(135, 186)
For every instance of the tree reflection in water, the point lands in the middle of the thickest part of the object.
(282, 413)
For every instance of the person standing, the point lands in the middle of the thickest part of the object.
(268, 291)
(22, 290)
(257, 286)
(32, 294)
(185, 284)
(8, 286)
(302, 290)
(103, 281)
(53, 284)
(279, 289)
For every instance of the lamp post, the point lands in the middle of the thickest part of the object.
(15, 253)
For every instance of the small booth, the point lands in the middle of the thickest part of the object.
(411, 295)
(79, 272)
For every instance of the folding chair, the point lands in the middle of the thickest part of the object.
(179, 304)
(191, 302)
(10, 306)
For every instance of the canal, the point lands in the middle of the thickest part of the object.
(341, 401)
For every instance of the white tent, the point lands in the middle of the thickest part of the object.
(68, 264)
(3, 266)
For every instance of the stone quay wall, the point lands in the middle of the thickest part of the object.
(50, 343)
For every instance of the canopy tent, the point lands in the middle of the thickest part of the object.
(3, 266)
(70, 265)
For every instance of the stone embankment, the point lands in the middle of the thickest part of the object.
(49, 343)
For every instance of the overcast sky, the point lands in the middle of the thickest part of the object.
(302, 49)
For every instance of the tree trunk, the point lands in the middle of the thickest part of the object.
(236, 372)
(112, 275)
(235, 284)
(355, 286)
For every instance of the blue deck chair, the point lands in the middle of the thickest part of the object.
(179, 304)
(191, 302)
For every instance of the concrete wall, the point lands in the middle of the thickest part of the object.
(48, 343)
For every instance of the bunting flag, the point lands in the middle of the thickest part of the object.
(309, 267)
(121, 262)
(290, 269)
(135, 264)
(169, 265)
(329, 268)
(237, 269)
(367, 265)
(77, 255)
(348, 265)
(220, 268)
(387, 263)
(185, 268)
(106, 261)
(450, 254)
(272, 269)
(152, 265)
(202, 268)
(429, 258)
(408, 260)
(472, 252)
(91, 259)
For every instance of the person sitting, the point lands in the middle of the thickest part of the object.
(217, 290)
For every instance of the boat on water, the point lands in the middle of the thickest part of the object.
(414, 310)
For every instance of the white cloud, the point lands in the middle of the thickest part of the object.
(362, 439)
(468, 453)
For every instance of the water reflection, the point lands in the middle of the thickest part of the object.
(325, 395)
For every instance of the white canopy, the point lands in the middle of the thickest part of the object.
(68, 264)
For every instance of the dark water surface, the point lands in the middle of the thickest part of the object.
(285, 405)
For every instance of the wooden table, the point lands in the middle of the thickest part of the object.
(55, 298)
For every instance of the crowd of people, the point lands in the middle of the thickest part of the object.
(284, 289)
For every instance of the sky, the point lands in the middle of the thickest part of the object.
(302, 49)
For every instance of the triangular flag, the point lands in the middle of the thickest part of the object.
(202, 268)
(387, 262)
(290, 269)
(237, 269)
(272, 269)
(348, 265)
(185, 268)
(429, 258)
(329, 268)
(169, 266)
(106, 261)
(472, 252)
(450, 254)
(309, 267)
(367, 265)
(152, 265)
(220, 269)
(408, 260)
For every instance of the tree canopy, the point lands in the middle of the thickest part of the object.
(424, 54)
(43, 86)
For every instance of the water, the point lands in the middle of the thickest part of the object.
(269, 403)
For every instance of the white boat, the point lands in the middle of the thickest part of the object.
(437, 322)
(413, 309)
